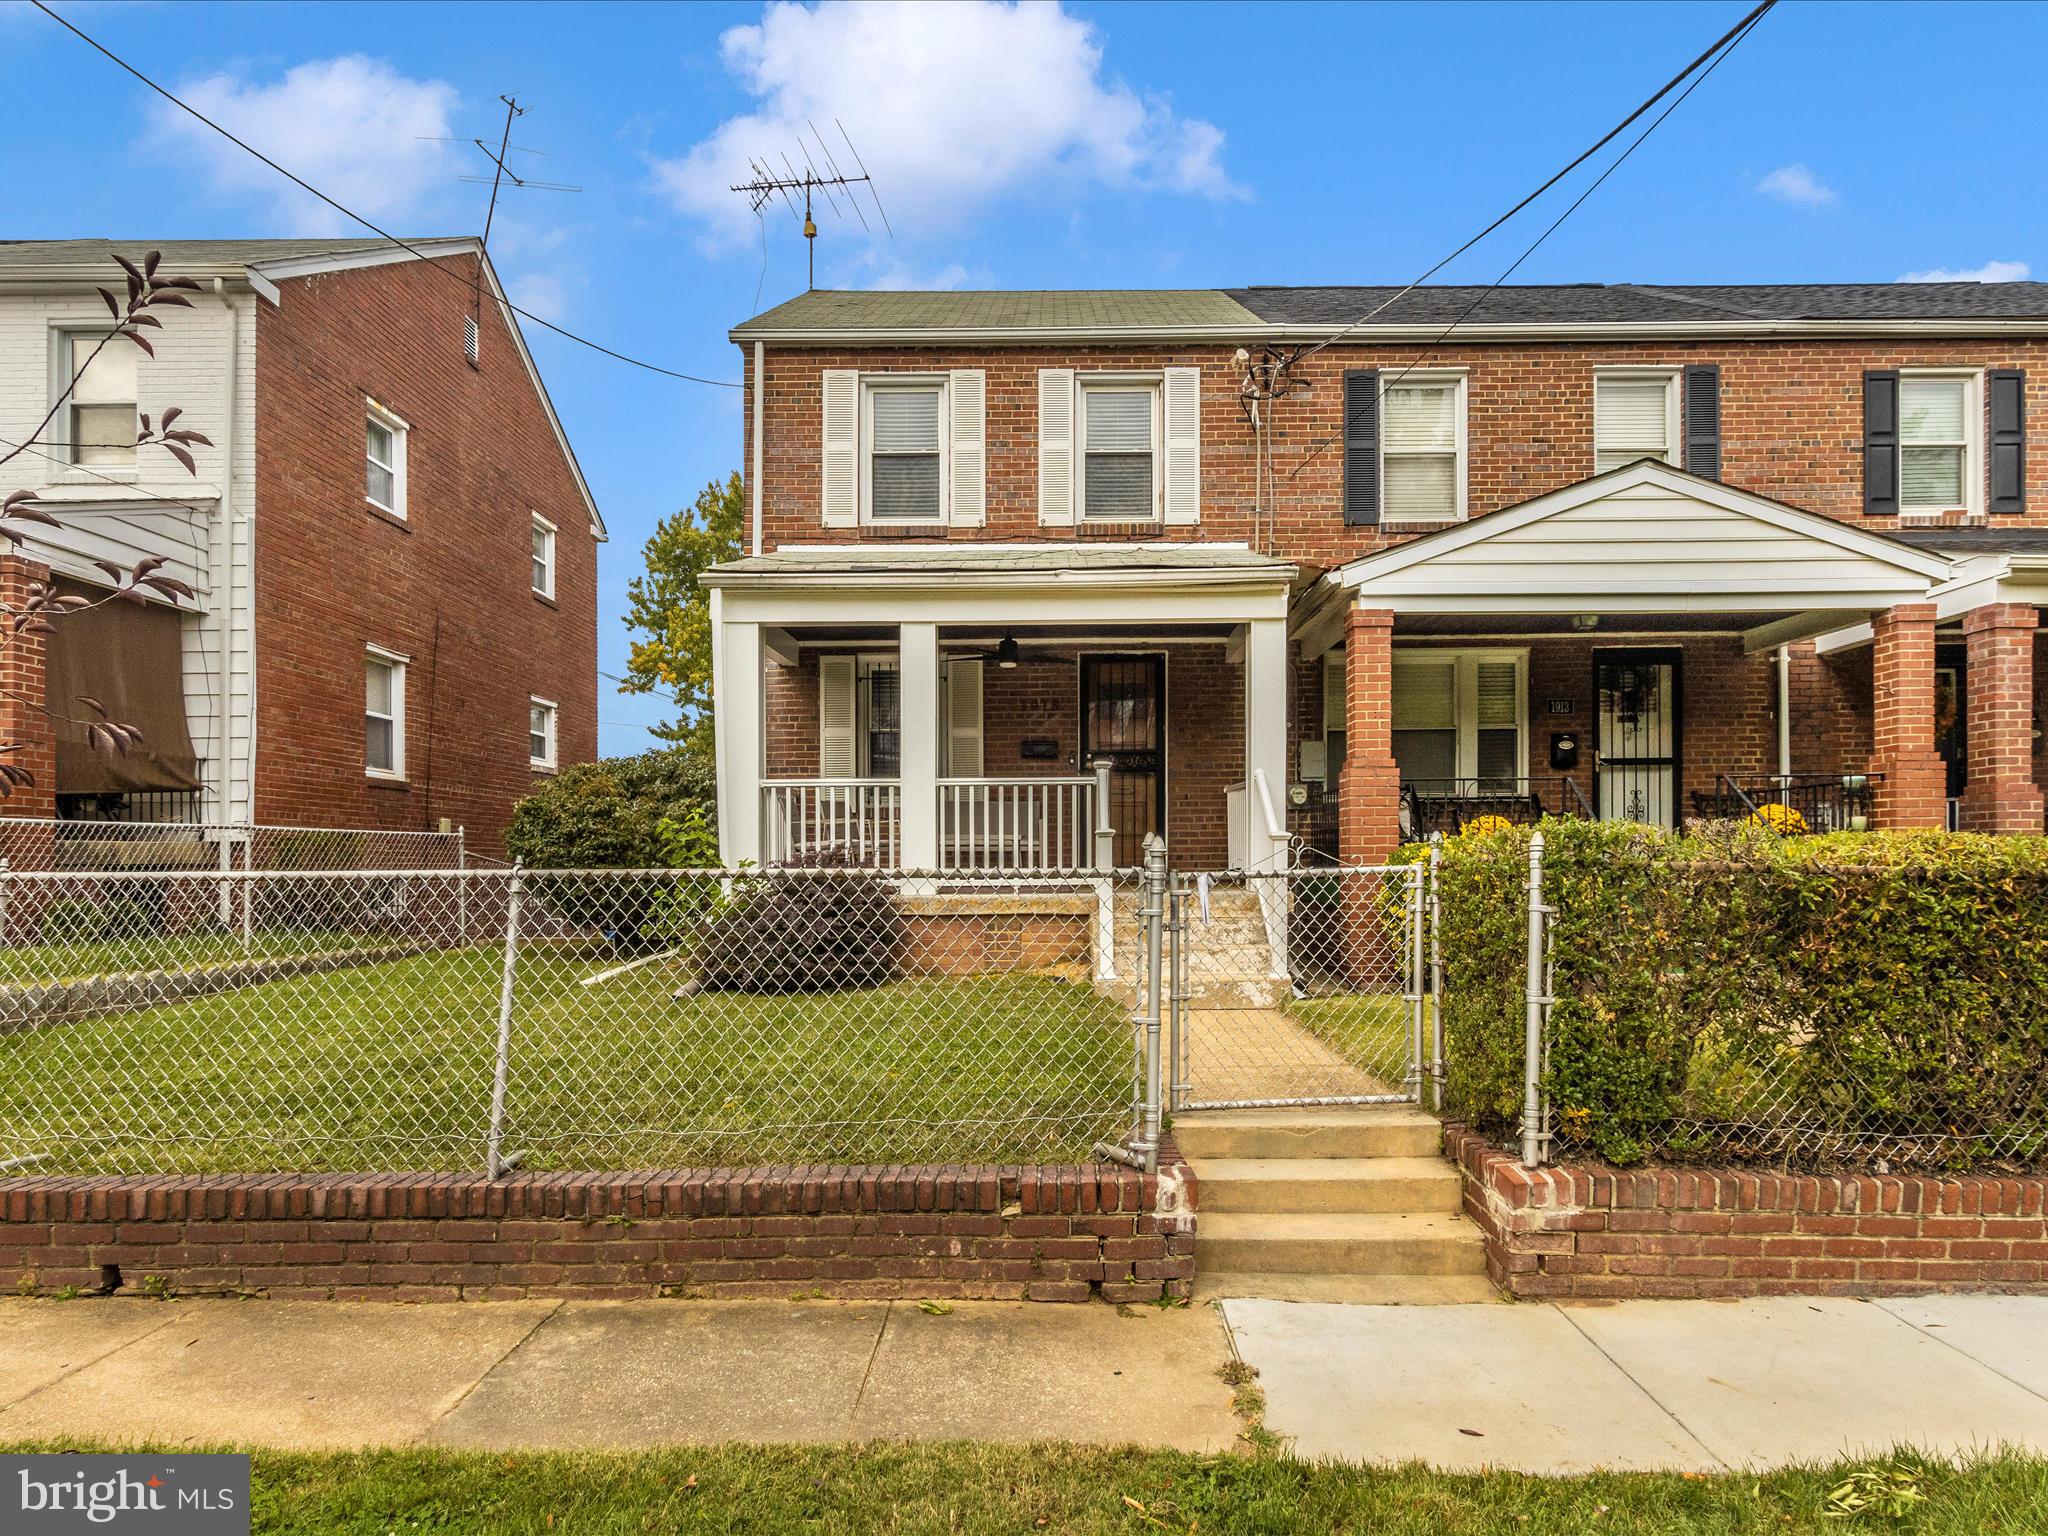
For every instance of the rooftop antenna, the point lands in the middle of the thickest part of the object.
(500, 174)
(766, 185)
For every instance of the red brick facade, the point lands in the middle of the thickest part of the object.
(24, 720)
(450, 587)
(1042, 1234)
(2002, 795)
(1592, 1232)
(1914, 787)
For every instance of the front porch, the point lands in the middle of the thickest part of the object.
(1002, 709)
(1636, 647)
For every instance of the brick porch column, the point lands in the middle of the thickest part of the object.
(1369, 791)
(2001, 795)
(22, 718)
(1914, 789)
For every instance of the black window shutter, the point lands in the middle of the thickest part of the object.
(1881, 442)
(2008, 440)
(1703, 420)
(1361, 447)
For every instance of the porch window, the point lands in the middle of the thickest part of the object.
(1936, 415)
(1460, 717)
(101, 408)
(905, 458)
(1119, 451)
(1422, 449)
(1635, 416)
(860, 717)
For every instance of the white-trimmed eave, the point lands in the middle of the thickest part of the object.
(1369, 335)
(988, 598)
(264, 277)
(2009, 578)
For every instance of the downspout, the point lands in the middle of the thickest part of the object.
(224, 582)
(760, 409)
(1784, 714)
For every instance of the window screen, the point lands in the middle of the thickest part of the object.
(1933, 442)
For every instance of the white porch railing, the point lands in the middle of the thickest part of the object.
(860, 820)
(1049, 824)
(1032, 824)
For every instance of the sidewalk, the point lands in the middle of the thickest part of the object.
(1553, 1389)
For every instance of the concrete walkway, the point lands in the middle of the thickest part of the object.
(608, 1375)
(1649, 1384)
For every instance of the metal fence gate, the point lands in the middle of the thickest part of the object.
(1297, 987)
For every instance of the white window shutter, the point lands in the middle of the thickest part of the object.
(1183, 445)
(969, 406)
(835, 717)
(1056, 445)
(841, 391)
(963, 719)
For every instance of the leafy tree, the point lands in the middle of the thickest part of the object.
(673, 612)
(621, 813)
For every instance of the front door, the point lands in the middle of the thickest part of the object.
(1636, 736)
(1123, 718)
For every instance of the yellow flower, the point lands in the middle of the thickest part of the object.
(1781, 819)
(1481, 826)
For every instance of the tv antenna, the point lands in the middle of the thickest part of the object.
(768, 184)
(500, 174)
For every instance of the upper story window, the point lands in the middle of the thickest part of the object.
(1120, 433)
(540, 733)
(1938, 420)
(100, 411)
(384, 454)
(1422, 448)
(543, 556)
(1635, 416)
(383, 713)
(904, 467)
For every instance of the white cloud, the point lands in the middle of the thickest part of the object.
(1990, 272)
(353, 127)
(952, 106)
(539, 293)
(1795, 183)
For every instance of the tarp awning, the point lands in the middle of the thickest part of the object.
(130, 657)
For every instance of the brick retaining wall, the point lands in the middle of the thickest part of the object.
(1586, 1231)
(1066, 1233)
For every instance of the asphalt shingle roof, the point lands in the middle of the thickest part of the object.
(176, 253)
(1040, 309)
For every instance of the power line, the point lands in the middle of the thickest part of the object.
(376, 229)
(1726, 39)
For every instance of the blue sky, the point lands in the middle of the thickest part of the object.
(1090, 146)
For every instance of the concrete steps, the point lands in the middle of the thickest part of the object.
(1340, 1204)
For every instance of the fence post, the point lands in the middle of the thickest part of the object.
(462, 887)
(1105, 828)
(248, 891)
(1149, 1113)
(1177, 999)
(1411, 963)
(6, 896)
(1536, 1007)
(495, 1165)
(1439, 1070)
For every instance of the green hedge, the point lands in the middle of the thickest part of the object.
(1857, 999)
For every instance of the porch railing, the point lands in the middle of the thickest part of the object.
(1792, 804)
(859, 820)
(1449, 805)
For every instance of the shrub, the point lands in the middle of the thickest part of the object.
(1730, 994)
(83, 920)
(822, 928)
(609, 815)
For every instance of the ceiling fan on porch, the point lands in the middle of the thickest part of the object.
(1008, 655)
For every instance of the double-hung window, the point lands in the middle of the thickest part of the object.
(1120, 431)
(1938, 417)
(1635, 416)
(904, 427)
(1422, 448)
(540, 733)
(383, 713)
(100, 411)
(543, 557)
(1460, 720)
(384, 460)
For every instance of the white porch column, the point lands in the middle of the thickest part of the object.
(918, 681)
(1265, 740)
(736, 686)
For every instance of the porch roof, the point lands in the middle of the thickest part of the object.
(1646, 538)
(1001, 564)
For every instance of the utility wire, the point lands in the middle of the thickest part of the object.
(1732, 35)
(386, 234)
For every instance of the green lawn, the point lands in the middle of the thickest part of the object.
(982, 1490)
(1368, 1029)
(389, 1067)
(42, 964)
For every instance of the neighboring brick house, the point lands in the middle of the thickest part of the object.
(393, 548)
(1372, 562)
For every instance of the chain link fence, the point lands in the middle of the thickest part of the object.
(410, 1019)
(35, 843)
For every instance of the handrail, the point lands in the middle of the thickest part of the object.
(1725, 786)
(1276, 829)
(1577, 796)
